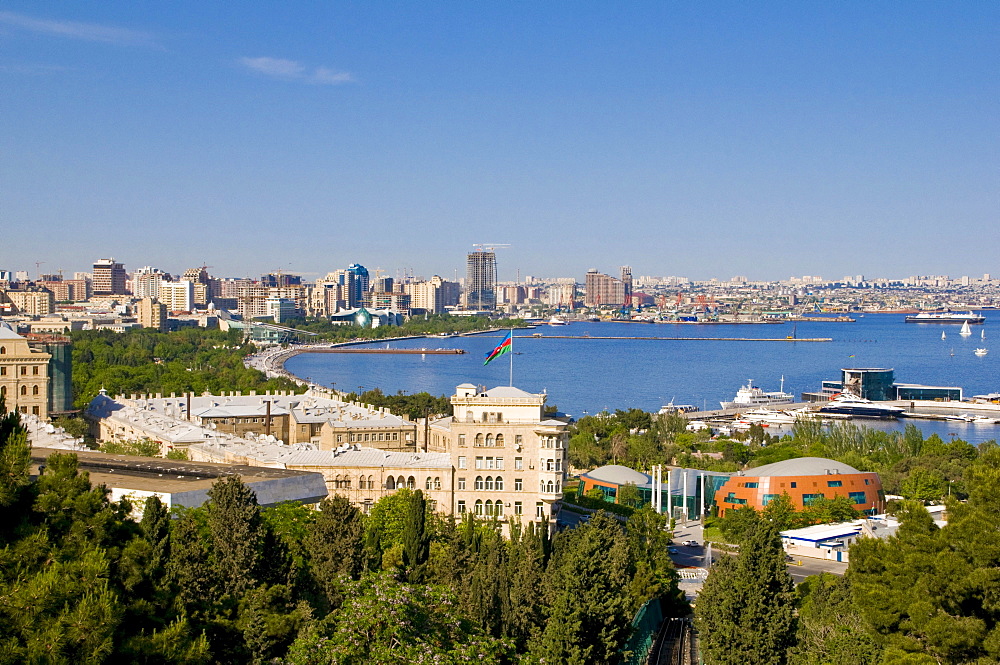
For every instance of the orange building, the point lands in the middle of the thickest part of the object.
(804, 480)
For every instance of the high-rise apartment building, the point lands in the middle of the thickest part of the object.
(481, 280)
(603, 290)
(152, 314)
(109, 278)
(177, 296)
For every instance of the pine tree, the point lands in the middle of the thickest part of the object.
(237, 534)
(335, 543)
(744, 612)
(590, 607)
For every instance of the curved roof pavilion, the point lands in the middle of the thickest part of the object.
(618, 475)
(801, 466)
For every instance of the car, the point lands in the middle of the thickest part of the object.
(691, 543)
(672, 550)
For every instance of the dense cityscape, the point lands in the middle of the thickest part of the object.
(725, 391)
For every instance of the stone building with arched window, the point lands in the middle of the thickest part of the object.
(24, 374)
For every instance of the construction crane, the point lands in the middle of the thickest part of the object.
(38, 272)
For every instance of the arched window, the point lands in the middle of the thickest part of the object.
(390, 483)
(3, 390)
(549, 487)
(498, 509)
(3, 350)
(499, 483)
(336, 481)
(489, 483)
(558, 487)
(541, 485)
(400, 482)
(24, 390)
(411, 482)
(489, 507)
(479, 441)
(499, 440)
(34, 390)
(437, 483)
(427, 483)
(371, 482)
(489, 440)
(479, 506)
(479, 482)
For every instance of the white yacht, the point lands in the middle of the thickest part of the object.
(557, 321)
(752, 396)
(764, 415)
(981, 351)
(853, 405)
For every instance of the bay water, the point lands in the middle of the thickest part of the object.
(583, 372)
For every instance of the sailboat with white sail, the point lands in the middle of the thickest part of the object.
(965, 331)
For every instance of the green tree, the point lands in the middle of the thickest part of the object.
(831, 630)
(416, 539)
(391, 623)
(745, 608)
(335, 544)
(589, 605)
(628, 495)
(237, 533)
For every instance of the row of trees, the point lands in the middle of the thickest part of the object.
(909, 465)
(144, 360)
(431, 324)
(924, 595)
(83, 582)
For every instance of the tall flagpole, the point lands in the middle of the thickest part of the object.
(512, 356)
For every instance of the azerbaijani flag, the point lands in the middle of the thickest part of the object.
(502, 348)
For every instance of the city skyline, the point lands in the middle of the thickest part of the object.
(765, 141)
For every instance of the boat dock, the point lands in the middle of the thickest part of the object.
(683, 339)
(419, 352)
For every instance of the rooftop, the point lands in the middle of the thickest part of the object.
(801, 466)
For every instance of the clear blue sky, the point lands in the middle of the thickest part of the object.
(705, 139)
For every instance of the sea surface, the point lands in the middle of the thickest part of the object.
(584, 374)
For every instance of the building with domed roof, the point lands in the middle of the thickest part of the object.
(805, 480)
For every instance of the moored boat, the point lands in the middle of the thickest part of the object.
(946, 317)
(752, 396)
(853, 405)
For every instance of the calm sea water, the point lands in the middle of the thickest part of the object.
(586, 375)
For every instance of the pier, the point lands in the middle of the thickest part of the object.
(683, 339)
(420, 352)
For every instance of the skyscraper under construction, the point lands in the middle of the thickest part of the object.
(481, 279)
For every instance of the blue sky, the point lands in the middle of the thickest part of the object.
(709, 139)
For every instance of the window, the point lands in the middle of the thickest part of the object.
(500, 463)
(489, 440)
(792, 484)
(768, 498)
(558, 464)
(390, 483)
(479, 482)
(34, 370)
(499, 440)
(427, 483)
(731, 498)
(518, 508)
(750, 485)
(489, 463)
(24, 389)
(809, 499)
(34, 410)
(834, 483)
(559, 442)
(858, 498)
(3, 371)
(461, 507)
(866, 481)
(518, 463)
(489, 483)
(550, 465)
(498, 508)
(461, 483)
(479, 463)
(489, 507)
(3, 350)
(479, 441)
(479, 506)
(539, 509)
(461, 441)
(518, 440)
(463, 463)
(24, 370)
(499, 483)
(518, 485)
(437, 483)
(34, 390)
